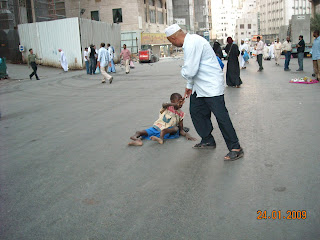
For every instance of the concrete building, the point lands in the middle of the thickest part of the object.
(247, 25)
(142, 21)
(183, 14)
(277, 13)
(226, 13)
(315, 7)
(194, 16)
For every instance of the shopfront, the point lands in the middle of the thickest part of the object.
(157, 42)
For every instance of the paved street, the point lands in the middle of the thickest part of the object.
(67, 173)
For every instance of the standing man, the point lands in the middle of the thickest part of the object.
(205, 87)
(111, 67)
(126, 55)
(277, 52)
(32, 63)
(300, 49)
(287, 48)
(103, 60)
(86, 59)
(259, 48)
(244, 48)
(63, 61)
(92, 59)
(316, 54)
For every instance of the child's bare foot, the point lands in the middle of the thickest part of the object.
(135, 143)
(134, 138)
(159, 140)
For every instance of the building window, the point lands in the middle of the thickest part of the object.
(249, 26)
(117, 15)
(160, 18)
(95, 15)
(241, 26)
(151, 2)
(152, 14)
(146, 14)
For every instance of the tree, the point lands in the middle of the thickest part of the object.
(315, 23)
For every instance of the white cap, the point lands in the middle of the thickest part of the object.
(172, 29)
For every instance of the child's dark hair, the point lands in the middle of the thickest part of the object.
(175, 96)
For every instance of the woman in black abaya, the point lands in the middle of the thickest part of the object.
(233, 69)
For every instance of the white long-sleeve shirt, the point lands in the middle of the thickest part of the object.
(260, 47)
(201, 67)
(286, 46)
(103, 57)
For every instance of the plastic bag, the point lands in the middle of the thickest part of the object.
(131, 64)
(220, 62)
(246, 56)
(97, 70)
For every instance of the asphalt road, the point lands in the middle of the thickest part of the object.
(67, 173)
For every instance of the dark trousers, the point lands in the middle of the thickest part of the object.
(287, 60)
(200, 110)
(259, 58)
(34, 68)
(300, 60)
(92, 66)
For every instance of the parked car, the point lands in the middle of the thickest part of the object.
(147, 56)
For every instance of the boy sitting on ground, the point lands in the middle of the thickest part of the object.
(168, 126)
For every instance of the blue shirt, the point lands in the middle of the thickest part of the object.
(201, 67)
(103, 57)
(316, 49)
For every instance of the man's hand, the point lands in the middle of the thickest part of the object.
(188, 137)
(187, 93)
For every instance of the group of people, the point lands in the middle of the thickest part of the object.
(104, 57)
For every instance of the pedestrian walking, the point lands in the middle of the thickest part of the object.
(259, 48)
(126, 55)
(217, 49)
(103, 60)
(287, 48)
(32, 63)
(92, 59)
(233, 69)
(111, 67)
(316, 54)
(244, 50)
(86, 59)
(277, 52)
(300, 50)
(63, 61)
(205, 87)
(271, 51)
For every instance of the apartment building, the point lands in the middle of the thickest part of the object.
(277, 13)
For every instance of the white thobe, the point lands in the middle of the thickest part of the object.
(63, 61)
(244, 47)
(201, 68)
(271, 51)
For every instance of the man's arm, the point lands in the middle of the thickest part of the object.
(183, 133)
(192, 62)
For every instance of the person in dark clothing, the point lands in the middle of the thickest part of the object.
(217, 49)
(300, 49)
(92, 60)
(233, 69)
(32, 63)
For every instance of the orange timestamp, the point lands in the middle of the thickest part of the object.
(278, 214)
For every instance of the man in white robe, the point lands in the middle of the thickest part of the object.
(271, 50)
(243, 48)
(63, 61)
(278, 50)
